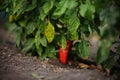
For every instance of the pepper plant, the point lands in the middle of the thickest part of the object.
(42, 26)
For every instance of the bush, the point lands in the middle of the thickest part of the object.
(41, 26)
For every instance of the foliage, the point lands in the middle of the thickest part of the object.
(41, 26)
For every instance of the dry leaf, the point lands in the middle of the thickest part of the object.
(92, 67)
(99, 67)
(70, 63)
(82, 65)
(107, 72)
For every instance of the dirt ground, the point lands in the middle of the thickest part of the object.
(16, 66)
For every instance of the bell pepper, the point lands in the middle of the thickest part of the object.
(63, 54)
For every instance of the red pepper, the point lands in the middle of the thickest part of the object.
(63, 54)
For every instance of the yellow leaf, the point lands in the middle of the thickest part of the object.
(49, 32)
(11, 18)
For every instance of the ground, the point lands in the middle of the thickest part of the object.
(14, 65)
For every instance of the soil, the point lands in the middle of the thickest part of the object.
(14, 65)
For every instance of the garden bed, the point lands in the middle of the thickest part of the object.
(16, 66)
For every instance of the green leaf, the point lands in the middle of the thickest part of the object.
(63, 5)
(38, 76)
(28, 45)
(18, 32)
(18, 8)
(23, 23)
(72, 4)
(3, 4)
(40, 50)
(37, 39)
(84, 49)
(48, 6)
(109, 62)
(74, 36)
(30, 27)
(50, 52)
(42, 14)
(43, 41)
(83, 10)
(45, 9)
(73, 23)
(87, 10)
(12, 27)
(103, 51)
(41, 26)
(90, 12)
(84, 28)
(49, 32)
(31, 6)
(21, 6)
(18, 39)
(63, 42)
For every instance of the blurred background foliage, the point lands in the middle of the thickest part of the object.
(41, 26)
